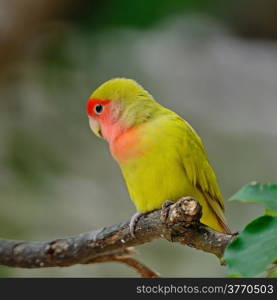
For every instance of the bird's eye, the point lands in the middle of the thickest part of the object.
(98, 108)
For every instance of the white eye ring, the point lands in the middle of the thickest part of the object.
(98, 109)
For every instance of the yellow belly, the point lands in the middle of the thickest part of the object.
(150, 185)
(152, 181)
(154, 171)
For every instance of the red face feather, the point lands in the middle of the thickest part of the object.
(101, 110)
(123, 141)
(91, 107)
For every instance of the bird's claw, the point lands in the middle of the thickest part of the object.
(165, 210)
(133, 223)
(167, 203)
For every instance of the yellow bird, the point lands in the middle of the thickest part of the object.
(160, 155)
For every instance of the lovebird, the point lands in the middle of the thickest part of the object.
(160, 155)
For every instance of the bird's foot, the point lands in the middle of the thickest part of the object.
(167, 203)
(133, 223)
(165, 210)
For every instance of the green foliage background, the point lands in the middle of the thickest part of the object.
(254, 251)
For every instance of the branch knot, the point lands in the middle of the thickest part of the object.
(179, 216)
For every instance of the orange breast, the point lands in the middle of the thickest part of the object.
(128, 145)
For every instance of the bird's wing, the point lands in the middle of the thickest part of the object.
(197, 166)
(200, 172)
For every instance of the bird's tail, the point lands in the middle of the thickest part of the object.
(213, 215)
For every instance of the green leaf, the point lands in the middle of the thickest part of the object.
(259, 193)
(254, 249)
(272, 272)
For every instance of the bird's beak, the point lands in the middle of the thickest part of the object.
(95, 127)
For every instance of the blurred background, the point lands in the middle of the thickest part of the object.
(213, 62)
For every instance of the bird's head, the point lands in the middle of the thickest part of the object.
(118, 105)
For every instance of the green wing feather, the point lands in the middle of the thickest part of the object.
(200, 172)
(198, 167)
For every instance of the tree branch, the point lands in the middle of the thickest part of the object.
(176, 222)
(124, 256)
